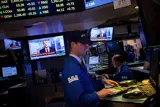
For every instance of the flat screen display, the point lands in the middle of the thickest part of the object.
(9, 71)
(14, 9)
(101, 34)
(93, 60)
(12, 44)
(94, 3)
(46, 47)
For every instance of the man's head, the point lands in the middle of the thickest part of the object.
(117, 60)
(79, 44)
(46, 43)
(101, 31)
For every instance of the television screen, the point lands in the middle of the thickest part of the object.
(9, 71)
(114, 47)
(94, 3)
(46, 47)
(93, 60)
(101, 34)
(12, 44)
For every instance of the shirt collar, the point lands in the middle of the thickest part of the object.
(76, 57)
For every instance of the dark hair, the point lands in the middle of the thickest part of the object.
(119, 58)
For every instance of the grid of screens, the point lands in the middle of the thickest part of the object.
(46, 47)
(9, 71)
(12, 44)
(93, 60)
(94, 3)
(101, 34)
(13, 9)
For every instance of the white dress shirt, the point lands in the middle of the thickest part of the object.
(46, 49)
(76, 57)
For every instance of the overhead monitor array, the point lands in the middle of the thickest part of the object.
(13, 9)
(16, 9)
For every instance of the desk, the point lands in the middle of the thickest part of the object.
(15, 86)
(136, 63)
(97, 69)
(119, 101)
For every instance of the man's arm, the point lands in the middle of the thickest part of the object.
(76, 91)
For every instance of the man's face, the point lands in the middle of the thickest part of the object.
(101, 31)
(80, 48)
(14, 42)
(46, 44)
(114, 62)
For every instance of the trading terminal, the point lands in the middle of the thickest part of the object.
(34, 44)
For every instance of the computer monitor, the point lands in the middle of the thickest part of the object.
(94, 3)
(9, 71)
(101, 34)
(46, 47)
(93, 60)
(12, 44)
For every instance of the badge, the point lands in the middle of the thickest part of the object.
(73, 78)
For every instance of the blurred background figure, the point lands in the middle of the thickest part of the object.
(147, 60)
(142, 54)
(131, 56)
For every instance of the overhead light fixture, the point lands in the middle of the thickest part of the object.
(136, 7)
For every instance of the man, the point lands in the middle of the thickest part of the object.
(123, 72)
(46, 48)
(78, 86)
(102, 34)
(14, 44)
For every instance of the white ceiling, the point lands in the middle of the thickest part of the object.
(62, 23)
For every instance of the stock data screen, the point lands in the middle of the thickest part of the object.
(13, 9)
(95, 3)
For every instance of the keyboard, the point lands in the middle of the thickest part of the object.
(117, 90)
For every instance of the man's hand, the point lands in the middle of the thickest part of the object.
(106, 75)
(104, 92)
(110, 82)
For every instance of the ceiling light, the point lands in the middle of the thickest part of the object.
(136, 7)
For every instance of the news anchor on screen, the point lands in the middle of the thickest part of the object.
(47, 48)
(102, 34)
(14, 44)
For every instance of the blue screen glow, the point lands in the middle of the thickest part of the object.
(94, 3)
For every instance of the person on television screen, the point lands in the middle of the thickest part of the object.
(147, 60)
(14, 44)
(102, 34)
(47, 48)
